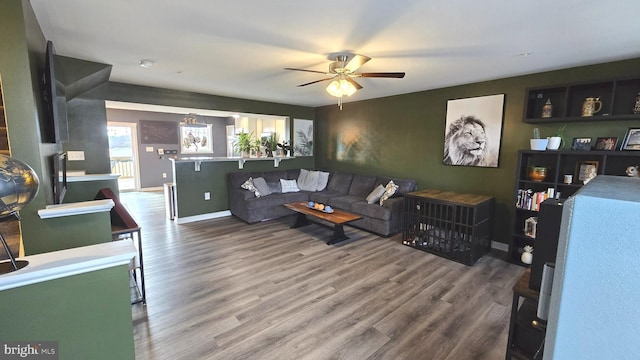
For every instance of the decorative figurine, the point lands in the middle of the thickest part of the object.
(636, 105)
(547, 109)
(633, 171)
(527, 255)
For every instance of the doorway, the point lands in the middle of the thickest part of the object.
(123, 154)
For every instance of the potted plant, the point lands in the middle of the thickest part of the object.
(243, 143)
(256, 146)
(536, 142)
(271, 144)
(285, 147)
(557, 141)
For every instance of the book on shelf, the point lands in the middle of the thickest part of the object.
(531, 200)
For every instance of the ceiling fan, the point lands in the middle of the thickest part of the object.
(343, 70)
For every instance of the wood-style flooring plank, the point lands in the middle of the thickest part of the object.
(223, 289)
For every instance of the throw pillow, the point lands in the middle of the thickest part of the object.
(262, 186)
(307, 180)
(389, 190)
(249, 186)
(289, 186)
(274, 187)
(376, 194)
(323, 179)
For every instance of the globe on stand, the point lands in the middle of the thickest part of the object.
(18, 186)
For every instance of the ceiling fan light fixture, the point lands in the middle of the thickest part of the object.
(340, 88)
(334, 88)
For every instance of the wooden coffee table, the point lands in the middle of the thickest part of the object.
(337, 218)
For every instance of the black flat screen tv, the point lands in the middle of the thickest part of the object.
(59, 177)
(55, 128)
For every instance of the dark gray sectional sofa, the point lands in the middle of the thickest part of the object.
(344, 191)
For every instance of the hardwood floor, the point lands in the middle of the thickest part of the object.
(222, 289)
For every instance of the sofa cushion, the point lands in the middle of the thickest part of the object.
(323, 180)
(339, 183)
(404, 185)
(343, 202)
(389, 191)
(236, 179)
(248, 185)
(323, 196)
(308, 180)
(292, 173)
(274, 186)
(289, 186)
(295, 197)
(361, 185)
(262, 186)
(375, 195)
(266, 201)
(275, 176)
(371, 210)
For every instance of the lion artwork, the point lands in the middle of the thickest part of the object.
(466, 142)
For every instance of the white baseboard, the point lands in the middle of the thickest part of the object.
(201, 217)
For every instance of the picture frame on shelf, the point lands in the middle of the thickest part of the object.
(586, 170)
(581, 144)
(606, 143)
(631, 140)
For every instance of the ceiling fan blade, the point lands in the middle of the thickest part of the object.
(356, 62)
(357, 86)
(317, 81)
(397, 75)
(311, 71)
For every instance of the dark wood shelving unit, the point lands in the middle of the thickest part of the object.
(558, 164)
(524, 340)
(617, 97)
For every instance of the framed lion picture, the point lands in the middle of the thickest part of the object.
(473, 131)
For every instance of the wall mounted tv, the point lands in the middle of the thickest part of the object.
(59, 161)
(54, 127)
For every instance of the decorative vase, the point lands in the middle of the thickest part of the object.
(527, 255)
(537, 173)
(547, 109)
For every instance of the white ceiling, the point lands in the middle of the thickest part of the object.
(239, 48)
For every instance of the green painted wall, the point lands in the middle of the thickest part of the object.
(87, 190)
(212, 177)
(88, 133)
(404, 135)
(89, 315)
(22, 52)
(192, 185)
(72, 231)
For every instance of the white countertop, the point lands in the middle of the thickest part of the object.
(63, 263)
(77, 208)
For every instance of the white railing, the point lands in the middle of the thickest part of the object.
(122, 166)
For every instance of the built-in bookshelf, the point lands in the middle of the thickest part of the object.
(529, 194)
(616, 97)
